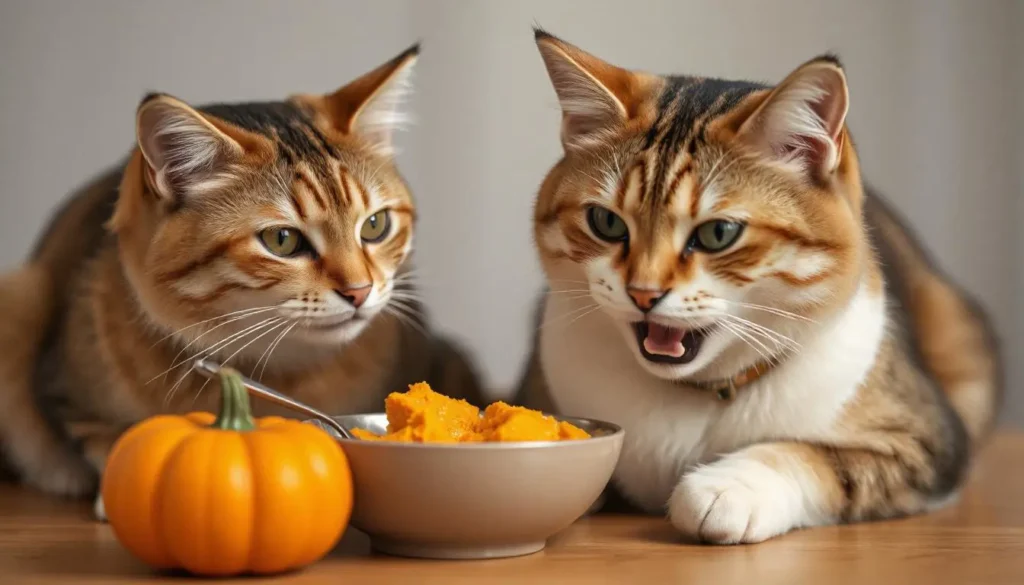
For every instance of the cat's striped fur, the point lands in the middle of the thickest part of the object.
(161, 260)
(876, 377)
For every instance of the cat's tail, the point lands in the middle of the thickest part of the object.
(955, 339)
(37, 454)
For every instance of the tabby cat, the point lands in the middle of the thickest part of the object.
(779, 349)
(271, 236)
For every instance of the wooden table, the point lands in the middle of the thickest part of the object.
(979, 540)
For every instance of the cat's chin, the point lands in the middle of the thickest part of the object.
(332, 333)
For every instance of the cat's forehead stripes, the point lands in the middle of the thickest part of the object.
(301, 146)
(678, 179)
(664, 173)
(686, 107)
(677, 173)
(354, 192)
(287, 124)
(634, 185)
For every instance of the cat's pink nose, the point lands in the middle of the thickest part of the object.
(645, 299)
(356, 295)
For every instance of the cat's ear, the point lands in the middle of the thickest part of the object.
(183, 149)
(371, 106)
(802, 119)
(595, 96)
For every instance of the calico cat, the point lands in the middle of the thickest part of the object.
(779, 349)
(274, 237)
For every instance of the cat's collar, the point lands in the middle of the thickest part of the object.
(725, 390)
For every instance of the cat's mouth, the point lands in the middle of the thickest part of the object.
(668, 345)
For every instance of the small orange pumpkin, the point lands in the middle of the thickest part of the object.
(227, 495)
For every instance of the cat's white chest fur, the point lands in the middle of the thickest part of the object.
(591, 372)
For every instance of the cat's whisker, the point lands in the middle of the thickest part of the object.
(412, 283)
(737, 331)
(174, 361)
(405, 283)
(263, 334)
(782, 347)
(566, 280)
(773, 310)
(775, 336)
(273, 348)
(237, 337)
(266, 352)
(248, 313)
(406, 295)
(762, 333)
(623, 311)
(411, 304)
(596, 308)
(568, 290)
(749, 339)
(211, 350)
(169, 395)
(199, 392)
(412, 315)
(404, 318)
(568, 315)
(408, 274)
(577, 296)
(268, 330)
(413, 311)
(785, 343)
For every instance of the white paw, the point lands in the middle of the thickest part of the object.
(64, 475)
(734, 501)
(99, 510)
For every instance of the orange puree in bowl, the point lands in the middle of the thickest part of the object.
(424, 416)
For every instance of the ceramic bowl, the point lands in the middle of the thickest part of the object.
(474, 500)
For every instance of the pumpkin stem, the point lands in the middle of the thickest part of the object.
(235, 413)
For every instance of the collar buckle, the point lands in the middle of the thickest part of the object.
(727, 392)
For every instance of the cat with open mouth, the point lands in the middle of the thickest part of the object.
(779, 349)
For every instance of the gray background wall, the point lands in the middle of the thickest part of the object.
(935, 86)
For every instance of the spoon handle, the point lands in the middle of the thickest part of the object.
(211, 370)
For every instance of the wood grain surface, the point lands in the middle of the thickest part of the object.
(978, 540)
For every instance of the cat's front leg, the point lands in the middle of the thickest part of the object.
(754, 494)
(769, 489)
(96, 448)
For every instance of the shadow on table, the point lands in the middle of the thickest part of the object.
(99, 555)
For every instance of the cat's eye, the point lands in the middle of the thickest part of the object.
(717, 235)
(376, 227)
(283, 241)
(607, 225)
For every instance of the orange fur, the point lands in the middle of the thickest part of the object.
(670, 156)
(165, 260)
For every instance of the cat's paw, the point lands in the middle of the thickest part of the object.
(732, 501)
(99, 511)
(64, 475)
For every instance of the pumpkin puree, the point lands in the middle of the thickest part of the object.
(424, 416)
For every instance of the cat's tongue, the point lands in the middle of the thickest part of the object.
(663, 340)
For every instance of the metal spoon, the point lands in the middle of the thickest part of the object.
(211, 370)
